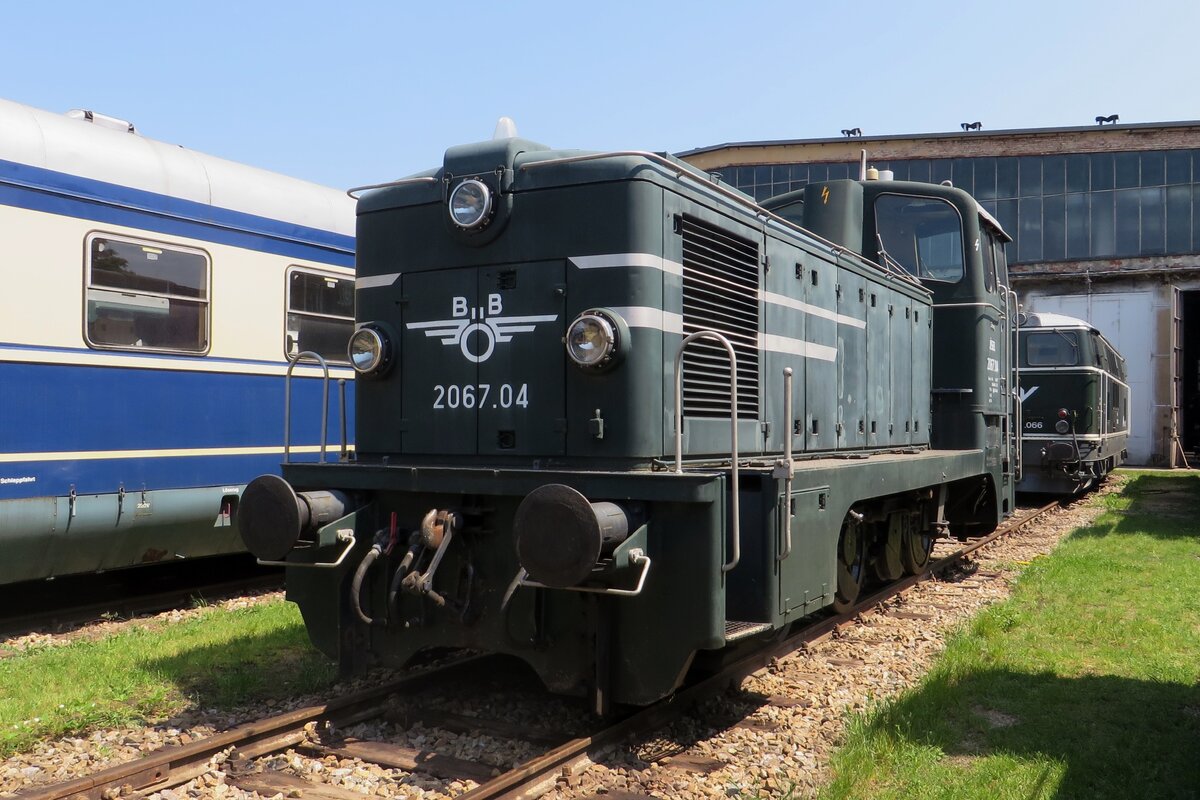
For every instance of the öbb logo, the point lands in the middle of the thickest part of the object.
(478, 329)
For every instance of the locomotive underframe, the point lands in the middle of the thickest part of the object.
(635, 649)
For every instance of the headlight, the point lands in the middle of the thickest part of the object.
(592, 340)
(1062, 426)
(470, 204)
(368, 350)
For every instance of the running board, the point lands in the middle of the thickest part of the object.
(741, 630)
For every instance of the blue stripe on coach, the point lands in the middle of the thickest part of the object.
(39, 189)
(105, 476)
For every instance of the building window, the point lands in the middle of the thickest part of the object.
(320, 314)
(145, 295)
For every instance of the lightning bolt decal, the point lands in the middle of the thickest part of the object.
(825, 195)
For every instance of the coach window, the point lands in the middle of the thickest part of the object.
(923, 235)
(1051, 349)
(320, 314)
(144, 295)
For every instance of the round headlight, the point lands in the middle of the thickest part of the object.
(1062, 426)
(470, 204)
(591, 340)
(366, 350)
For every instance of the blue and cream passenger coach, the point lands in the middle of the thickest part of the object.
(152, 297)
(554, 457)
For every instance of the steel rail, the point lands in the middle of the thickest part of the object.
(172, 766)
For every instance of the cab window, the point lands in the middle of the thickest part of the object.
(923, 235)
(987, 247)
(320, 314)
(1051, 349)
(144, 295)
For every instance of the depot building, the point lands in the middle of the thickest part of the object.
(1105, 221)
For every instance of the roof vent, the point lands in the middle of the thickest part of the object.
(103, 120)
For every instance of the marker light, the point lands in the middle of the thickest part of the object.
(591, 340)
(367, 351)
(470, 204)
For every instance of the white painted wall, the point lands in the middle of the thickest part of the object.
(1127, 319)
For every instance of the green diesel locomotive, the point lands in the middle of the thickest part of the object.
(615, 418)
(1074, 404)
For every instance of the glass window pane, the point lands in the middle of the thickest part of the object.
(1179, 219)
(1077, 173)
(1153, 230)
(762, 175)
(1051, 349)
(1196, 217)
(1054, 172)
(1078, 225)
(923, 235)
(1153, 169)
(745, 177)
(1128, 222)
(839, 172)
(1006, 215)
(940, 170)
(962, 174)
(1179, 167)
(1102, 171)
(1054, 228)
(1031, 176)
(1104, 241)
(1006, 177)
(900, 170)
(918, 170)
(146, 296)
(818, 173)
(148, 268)
(1029, 217)
(985, 179)
(318, 293)
(1126, 170)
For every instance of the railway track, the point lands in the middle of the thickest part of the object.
(319, 731)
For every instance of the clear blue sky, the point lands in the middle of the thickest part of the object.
(352, 92)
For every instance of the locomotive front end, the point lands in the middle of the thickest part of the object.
(510, 409)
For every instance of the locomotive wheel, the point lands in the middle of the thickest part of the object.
(851, 565)
(915, 550)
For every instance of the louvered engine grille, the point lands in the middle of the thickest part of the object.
(720, 293)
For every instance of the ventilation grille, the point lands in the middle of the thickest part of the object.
(720, 293)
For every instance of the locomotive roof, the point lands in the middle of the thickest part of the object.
(1045, 319)
(59, 143)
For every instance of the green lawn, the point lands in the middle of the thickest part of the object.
(1083, 685)
(219, 659)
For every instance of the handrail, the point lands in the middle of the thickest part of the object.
(733, 434)
(287, 405)
(637, 557)
(1019, 460)
(786, 464)
(401, 182)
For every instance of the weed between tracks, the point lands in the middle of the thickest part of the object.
(217, 659)
(1083, 684)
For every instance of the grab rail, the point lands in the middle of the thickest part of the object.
(733, 434)
(287, 405)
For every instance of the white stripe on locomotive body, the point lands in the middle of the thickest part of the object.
(1033, 371)
(376, 281)
(624, 260)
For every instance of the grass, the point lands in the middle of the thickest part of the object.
(217, 659)
(1084, 684)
